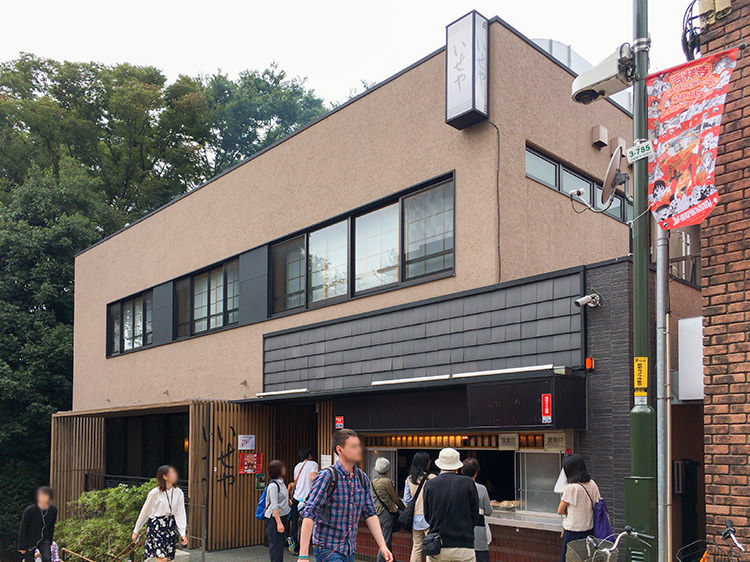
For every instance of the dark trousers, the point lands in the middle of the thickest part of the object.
(44, 550)
(482, 555)
(386, 524)
(573, 536)
(275, 540)
(294, 521)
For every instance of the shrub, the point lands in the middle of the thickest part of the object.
(101, 522)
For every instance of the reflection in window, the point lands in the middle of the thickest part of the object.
(541, 169)
(288, 263)
(573, 182)
(130, 324)
(536, 474)
(182, 301)
(200, 302)
(376, 248)
(328, 253)
(233, 291)
(428, 217)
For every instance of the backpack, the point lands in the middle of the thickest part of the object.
(260, 511)
(602, 527)
(406, 517)
(332, 486)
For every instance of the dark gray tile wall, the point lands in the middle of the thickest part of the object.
(162, 321)
(534, 323)
(253, 286)
(606, 444)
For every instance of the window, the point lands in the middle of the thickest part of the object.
(558, 177)
(536, 474)
(328, 261)
(408, 237)
(288, 273)
(130, 324)
(207, 301)
(541, 169)
(376, 248)
(428, 217)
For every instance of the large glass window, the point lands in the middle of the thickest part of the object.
(328, 262)
(574, 182)
(376, 247)
(233, 291)
(216, 298)
(428, 217)
(536, 474)
(130, 324)
(288, 271)
(207, 300)
(200, 302)
(182, 302)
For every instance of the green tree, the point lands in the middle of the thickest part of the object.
(102, 522)
(46, 222)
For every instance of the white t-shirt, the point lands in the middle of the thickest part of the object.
(581, 499)
(302, 473)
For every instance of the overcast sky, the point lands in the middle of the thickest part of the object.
(334, 44)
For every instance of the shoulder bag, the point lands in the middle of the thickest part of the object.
(406, 517)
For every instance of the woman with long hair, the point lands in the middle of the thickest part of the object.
(420, 466)
(163, 513)
(578, 500)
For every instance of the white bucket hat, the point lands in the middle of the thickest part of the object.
(449, 459)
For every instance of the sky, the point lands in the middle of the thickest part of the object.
(334, 44)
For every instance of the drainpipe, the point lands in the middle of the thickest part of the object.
(663, 398)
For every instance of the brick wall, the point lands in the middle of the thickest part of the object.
(726, 287)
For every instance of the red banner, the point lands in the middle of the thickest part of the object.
(685, 104)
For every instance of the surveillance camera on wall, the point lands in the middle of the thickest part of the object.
(592, 300)
(610, 76)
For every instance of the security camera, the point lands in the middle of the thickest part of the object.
(592, 300)
(610, 76)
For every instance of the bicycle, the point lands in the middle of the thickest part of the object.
(592, 549)
(697, 551)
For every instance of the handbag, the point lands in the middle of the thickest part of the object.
(395, 526)
(406, 518)
(432, 544)
(602, 527)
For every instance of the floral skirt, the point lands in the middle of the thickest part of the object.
(161, 538)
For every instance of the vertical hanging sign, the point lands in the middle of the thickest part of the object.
(546, 408)
(466, 71)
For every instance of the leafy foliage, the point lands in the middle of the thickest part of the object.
(102, 521)
(86, 148)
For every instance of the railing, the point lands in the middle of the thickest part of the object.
(94, 481)
(687, 268)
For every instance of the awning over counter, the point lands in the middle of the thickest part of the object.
(538, 401)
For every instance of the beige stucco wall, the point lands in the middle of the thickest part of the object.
(390, 139)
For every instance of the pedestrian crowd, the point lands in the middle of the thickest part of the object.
(318, 512)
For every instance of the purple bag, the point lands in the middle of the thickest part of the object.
(602, 528)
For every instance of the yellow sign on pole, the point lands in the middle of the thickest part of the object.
(640, 371)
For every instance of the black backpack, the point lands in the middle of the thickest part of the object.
(406, 517)
(332, 486)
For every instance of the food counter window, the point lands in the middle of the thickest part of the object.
(536, 474)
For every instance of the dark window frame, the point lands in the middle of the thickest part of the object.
(118, 307)
(560, 168)
(191, 305)
(350, 217)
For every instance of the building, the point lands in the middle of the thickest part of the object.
(725, 296)
(380, 269)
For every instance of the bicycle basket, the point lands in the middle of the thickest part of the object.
(584, 550)
(692, 552)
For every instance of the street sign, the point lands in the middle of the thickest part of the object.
(639, 150)
(640, 379)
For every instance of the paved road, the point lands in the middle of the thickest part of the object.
(251, 554)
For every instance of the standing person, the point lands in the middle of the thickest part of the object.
(482, 536)
(451, 507)
(387, 502)
(340, 495)
(420, 465)
(304, 473)
(37, 529)
(277, 510)
(578, 499)
(163, 512)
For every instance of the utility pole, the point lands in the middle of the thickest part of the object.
(663, 398)
(640, 487)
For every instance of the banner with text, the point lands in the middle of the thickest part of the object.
(685, 104)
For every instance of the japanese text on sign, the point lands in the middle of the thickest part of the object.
(640, 374)
(546, 408)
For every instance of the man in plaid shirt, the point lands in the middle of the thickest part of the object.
(336, 520)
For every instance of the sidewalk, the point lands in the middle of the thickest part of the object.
(250, 554)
